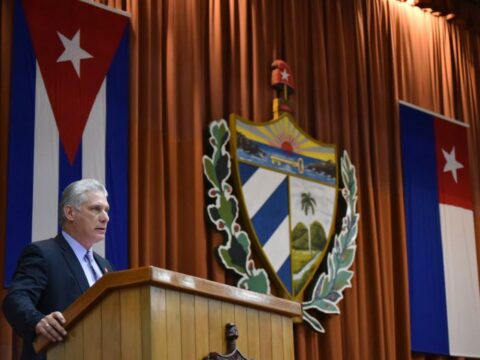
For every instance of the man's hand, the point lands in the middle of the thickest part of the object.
(51, 326)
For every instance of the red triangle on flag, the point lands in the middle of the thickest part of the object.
(74, 43)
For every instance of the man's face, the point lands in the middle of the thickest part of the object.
(88, 224)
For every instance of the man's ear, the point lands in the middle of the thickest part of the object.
(68, 212)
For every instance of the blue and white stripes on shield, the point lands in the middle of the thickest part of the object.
(266, 199)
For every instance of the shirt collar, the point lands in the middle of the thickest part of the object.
(77, 248)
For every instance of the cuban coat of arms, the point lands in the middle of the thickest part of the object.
(287, 190)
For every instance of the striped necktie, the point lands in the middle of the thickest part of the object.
(90, 260)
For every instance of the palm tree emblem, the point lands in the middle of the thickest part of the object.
(308, 203)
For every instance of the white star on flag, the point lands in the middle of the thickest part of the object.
(285, 75)
(73, 52)
(451, 164)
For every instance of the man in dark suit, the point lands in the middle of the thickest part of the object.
(53, 273)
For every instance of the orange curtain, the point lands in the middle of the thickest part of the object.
(194, 61)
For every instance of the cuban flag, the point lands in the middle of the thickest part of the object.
(68, 120)
(442, 263)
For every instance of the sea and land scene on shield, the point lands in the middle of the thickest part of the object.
(289, 188)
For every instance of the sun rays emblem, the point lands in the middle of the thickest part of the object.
(284, 135)
(287, 186)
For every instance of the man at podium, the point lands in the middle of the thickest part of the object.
(51, 274)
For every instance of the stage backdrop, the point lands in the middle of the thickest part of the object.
(196, 61)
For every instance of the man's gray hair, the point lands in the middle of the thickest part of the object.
(75, 193)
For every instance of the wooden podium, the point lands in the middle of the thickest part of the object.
(150, 313)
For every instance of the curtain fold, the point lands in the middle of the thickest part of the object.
(195, 61)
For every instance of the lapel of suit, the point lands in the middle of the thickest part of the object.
(73, 264)
(102, 263)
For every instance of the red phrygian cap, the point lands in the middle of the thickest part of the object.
(281, 76)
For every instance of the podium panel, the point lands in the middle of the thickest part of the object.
(150, 313)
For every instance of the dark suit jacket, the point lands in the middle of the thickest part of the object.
(48, 278)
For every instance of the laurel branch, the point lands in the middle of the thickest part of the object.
(236, 253)
(328, 290)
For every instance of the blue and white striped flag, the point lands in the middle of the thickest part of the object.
(68, 120)
(442, 263)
